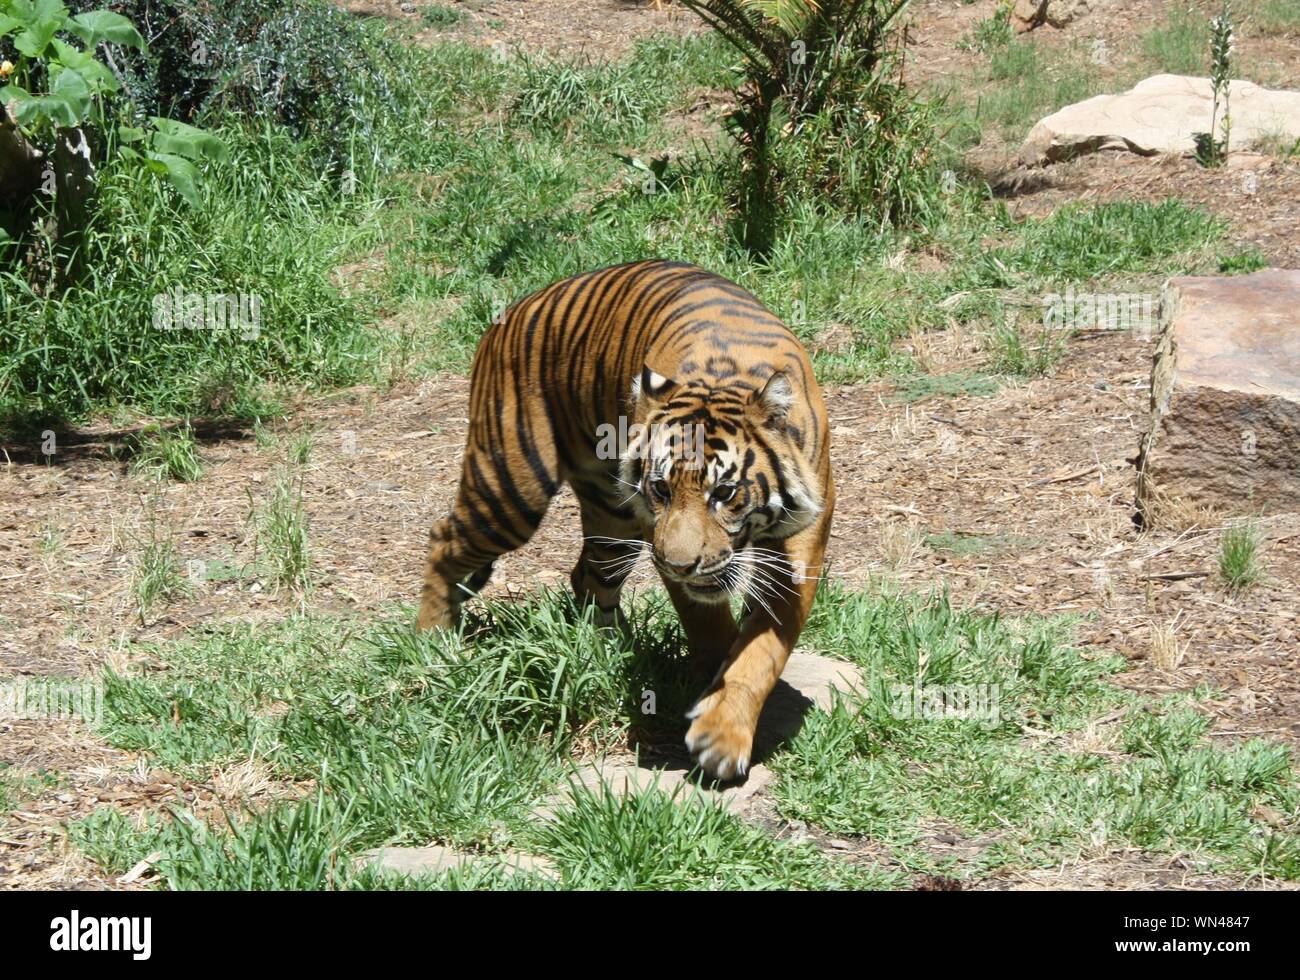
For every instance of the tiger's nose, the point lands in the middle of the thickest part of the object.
(681, 568)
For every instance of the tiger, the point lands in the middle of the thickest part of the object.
(686, 418)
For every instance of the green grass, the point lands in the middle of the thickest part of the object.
(440, 15)
(1078, 243)
(271, 229)
(955, 385)
(1179, 46)
(18, 786)
(1239, 562)
(489, 179)
(1272, 18)
(166, 454)
(156, 575)
(648, 840)
(377, 735)
(1024, 353)
(1251, 260)
(272, 226)
(300, 449)
(1030, 84)
(867, 768)
(994, 31)
(283, 532)
(50, 543)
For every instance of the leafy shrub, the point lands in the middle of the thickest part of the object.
(819, 113)
(302, 63)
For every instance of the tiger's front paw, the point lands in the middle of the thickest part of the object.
(721, 737)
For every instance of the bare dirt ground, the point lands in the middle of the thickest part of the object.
(1032, 486)
(600, 29)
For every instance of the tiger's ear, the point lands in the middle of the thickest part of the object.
(651, 384)
(774, 399)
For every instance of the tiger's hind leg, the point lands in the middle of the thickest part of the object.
(612, 547)
(493, 514)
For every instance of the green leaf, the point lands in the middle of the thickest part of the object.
(37, 37)
(8, 23)
(85, 65)
(28, 12)
(104, 25)
(52, 9)
(181, 173)
(130, 134)
(35, 109)
(71, 87)
(187, 141)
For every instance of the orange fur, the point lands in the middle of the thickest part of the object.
(724, 473)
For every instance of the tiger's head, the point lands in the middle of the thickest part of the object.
(716, 472)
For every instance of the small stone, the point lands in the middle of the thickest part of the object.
(437, 858)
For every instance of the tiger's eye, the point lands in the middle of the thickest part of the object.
(724, 492)
(661, 488)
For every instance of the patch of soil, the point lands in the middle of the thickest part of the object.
(601, 29)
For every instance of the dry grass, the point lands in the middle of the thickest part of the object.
(900, 543)
(1167, 650)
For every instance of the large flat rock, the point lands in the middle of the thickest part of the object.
(1224, 431)
(1160, 114)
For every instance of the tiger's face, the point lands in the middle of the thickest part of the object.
(715, 473)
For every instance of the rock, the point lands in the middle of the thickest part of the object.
(1224, 431)
(808, 681)
(436, 858)
(1160, 114)
(1028, 14)
(1246, 160)
(626, 776)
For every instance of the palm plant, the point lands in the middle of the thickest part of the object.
(803, 60)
